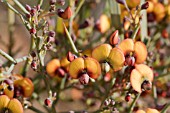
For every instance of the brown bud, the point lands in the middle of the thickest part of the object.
(84, 79)
(146, 85)
(114, 38)
(123, 2)
(145, 5)
(66, 14)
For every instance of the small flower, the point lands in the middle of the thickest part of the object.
(23, 87)
(148, 110)
(81, 66)
(113, 56)
(139, 75)
(134, 49)
(103, 24)
(7, 105)
(57, 68)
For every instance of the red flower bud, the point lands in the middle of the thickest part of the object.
(128, 97)
(48, 102)
(27, 7)
(114, 38)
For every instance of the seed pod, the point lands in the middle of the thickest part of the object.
(84, 79)
(114, 38)
(66, 14)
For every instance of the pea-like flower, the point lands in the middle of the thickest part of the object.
(23, 87)
(104, 53)
(141, 77)
(148, 110)
(10, 106)
(133, 51)
(83, 68)
(57, 68)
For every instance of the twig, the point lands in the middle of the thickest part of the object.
(7, 56)
(133, 103)
(70, 40)
(21, 6)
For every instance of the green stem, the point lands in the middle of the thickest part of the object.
(74, 15)
(7, 56)
(154, 94)
(133, 103)
(40, 2)
(70, 40)
(135, 32)
(21, 6)
(165, 108)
